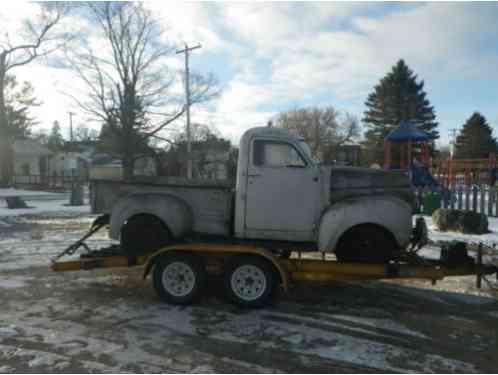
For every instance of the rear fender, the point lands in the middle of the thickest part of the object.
(391, 213)
(174, 212)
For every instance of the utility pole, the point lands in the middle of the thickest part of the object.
(71, 114)
(453, 133)
(186, 51)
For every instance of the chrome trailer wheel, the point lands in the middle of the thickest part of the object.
(249, 281)
(179, 278)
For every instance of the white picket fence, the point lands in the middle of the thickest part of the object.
(475, 198)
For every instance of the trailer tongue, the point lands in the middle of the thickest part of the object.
(253, 274)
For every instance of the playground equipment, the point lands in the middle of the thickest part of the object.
(451, 172)
(413, 153)
(408, 136)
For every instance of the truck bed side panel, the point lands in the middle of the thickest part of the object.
(211, 205)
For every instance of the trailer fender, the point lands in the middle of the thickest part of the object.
(390, 213)
(219, 249)
(174, 212)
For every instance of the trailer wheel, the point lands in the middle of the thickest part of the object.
(250, 282)
(366, 243)
(179, 278)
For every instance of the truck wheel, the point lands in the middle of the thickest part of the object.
(366, 243)
(143, 234)
(179, 278)
(249, 282)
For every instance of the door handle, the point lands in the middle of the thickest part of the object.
(253, 175)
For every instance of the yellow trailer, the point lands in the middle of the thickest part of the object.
(252, 275)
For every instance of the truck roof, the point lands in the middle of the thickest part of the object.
(268, 131)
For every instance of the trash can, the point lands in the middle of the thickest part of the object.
(432, 201)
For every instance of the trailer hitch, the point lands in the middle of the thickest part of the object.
(97, 224)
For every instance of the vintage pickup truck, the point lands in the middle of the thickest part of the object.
(282, 200)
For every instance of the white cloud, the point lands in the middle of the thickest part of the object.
(293, 52)
(187, 22)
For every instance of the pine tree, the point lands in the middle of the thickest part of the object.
(55, 141)
(476, 139)
(397, 97)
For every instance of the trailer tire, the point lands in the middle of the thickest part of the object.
(250, 282)
(179, 278)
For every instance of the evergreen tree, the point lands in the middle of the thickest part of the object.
(476, 139)
(397, 97)
(55, 141)
(19, 99)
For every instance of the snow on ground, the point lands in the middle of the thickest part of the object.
(24, 193)
(12, 282)
(42, 236)
(38, 207)
(489, 239)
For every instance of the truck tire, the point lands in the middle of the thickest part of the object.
(367, 244)
(144, 234)
(249, 282)
(179, 278)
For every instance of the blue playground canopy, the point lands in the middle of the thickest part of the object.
(407, 131)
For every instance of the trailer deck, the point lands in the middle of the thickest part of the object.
(217, 259)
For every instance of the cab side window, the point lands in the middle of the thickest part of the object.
(276, 154)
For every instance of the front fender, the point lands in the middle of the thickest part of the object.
(173, 211)
(391, 213)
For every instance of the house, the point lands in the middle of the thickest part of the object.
(31, 161)
(106, 167)
(74, 160)
(348, 153)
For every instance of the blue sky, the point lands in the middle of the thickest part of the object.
(270, 57)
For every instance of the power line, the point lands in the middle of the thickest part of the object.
(186, 51)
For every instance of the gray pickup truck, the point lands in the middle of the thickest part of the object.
(282, 200)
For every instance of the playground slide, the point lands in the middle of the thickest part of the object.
(421, 177)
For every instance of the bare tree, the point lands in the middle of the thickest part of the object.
(83, 133)
(324, 129)
(129, 87)
(39, 37)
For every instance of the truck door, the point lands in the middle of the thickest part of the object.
(282, 192)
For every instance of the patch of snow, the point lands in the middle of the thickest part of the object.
(488, 239)
(35, 358)
(8, 331)
(25, 193)
(387, 324)
(13, 282)
(40, 207)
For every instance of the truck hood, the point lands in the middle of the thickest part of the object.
(350, 182)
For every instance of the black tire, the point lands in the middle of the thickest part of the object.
(144, 234)
(250, 282)
(366, 244)
(191, 274)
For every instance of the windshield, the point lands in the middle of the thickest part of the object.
(307, 150)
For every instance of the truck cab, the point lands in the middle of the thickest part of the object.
(279, 191)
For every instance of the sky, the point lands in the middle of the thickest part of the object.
(271, 57)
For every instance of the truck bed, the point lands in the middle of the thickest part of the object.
(210, 201)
